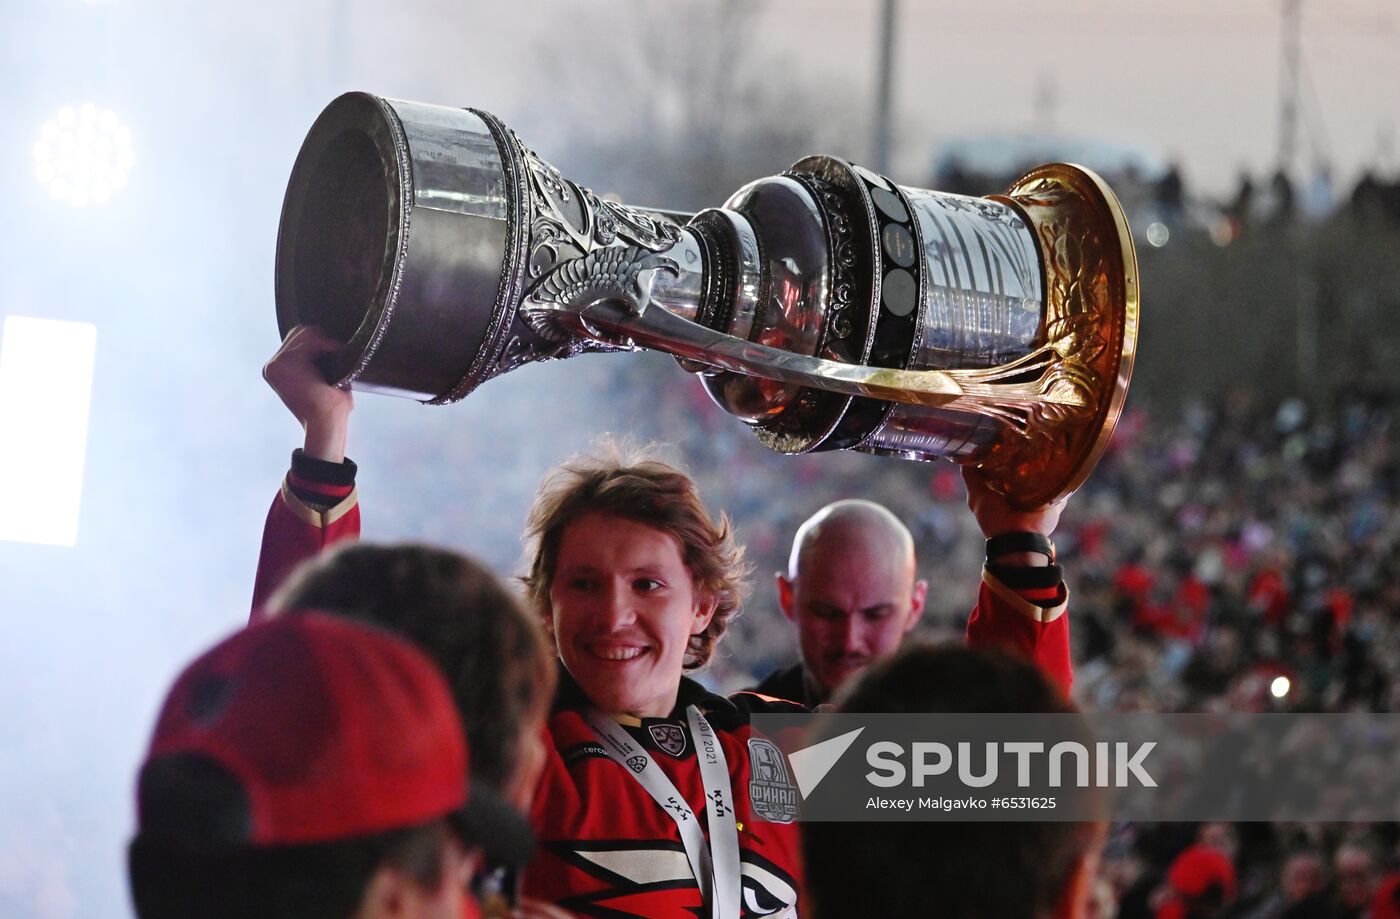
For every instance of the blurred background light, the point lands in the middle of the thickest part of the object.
(1158, 234)
(83, 155)
(45, 390)
(1280, 686)
(1223, 231)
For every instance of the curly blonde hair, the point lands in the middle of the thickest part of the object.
(633, 484)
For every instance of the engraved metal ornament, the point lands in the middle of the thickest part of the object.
(567, 225)
(826, 307)
(620, 274)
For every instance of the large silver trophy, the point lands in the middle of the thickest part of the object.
(827, 307)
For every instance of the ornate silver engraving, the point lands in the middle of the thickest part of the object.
(518, 352)
(566, 213)
(562, 297)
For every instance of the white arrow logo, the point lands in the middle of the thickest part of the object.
(811, 764)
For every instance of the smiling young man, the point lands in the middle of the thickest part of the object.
(637, 583)
(646, 804)
(624, 608)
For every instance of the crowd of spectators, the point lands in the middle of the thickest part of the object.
(1244, 558)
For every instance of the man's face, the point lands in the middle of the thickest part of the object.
(394, 893)
(1354, 879)
(1302, 877)
(623, 607)
(853, 601)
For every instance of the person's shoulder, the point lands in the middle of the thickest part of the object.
(787, 683)
(754, 702)
(729, 712)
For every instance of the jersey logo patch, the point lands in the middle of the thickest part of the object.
(772, 793)
(669, 738)
(637, 764)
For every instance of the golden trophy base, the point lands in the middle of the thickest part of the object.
(1083, 367)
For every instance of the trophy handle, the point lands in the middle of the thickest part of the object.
(619, 308)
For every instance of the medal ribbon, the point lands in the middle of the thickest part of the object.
(716, 864)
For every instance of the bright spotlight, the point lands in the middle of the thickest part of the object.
(1158, 234)
(1280, 686)
(83, 155)
(45, 391)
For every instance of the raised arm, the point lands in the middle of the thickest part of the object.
(317, 504)
(1022, 599)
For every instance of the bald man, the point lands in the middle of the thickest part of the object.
(852, 591)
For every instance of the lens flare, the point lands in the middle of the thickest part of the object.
(83, 155)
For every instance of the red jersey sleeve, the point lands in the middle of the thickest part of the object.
(316, 507)
(1028, 622)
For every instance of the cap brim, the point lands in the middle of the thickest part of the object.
(498, 828)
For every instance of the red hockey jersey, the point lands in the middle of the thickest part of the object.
(608, 849)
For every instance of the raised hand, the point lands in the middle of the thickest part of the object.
(322, 410)
(996, 516)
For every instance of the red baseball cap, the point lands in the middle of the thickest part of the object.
(311, 729)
